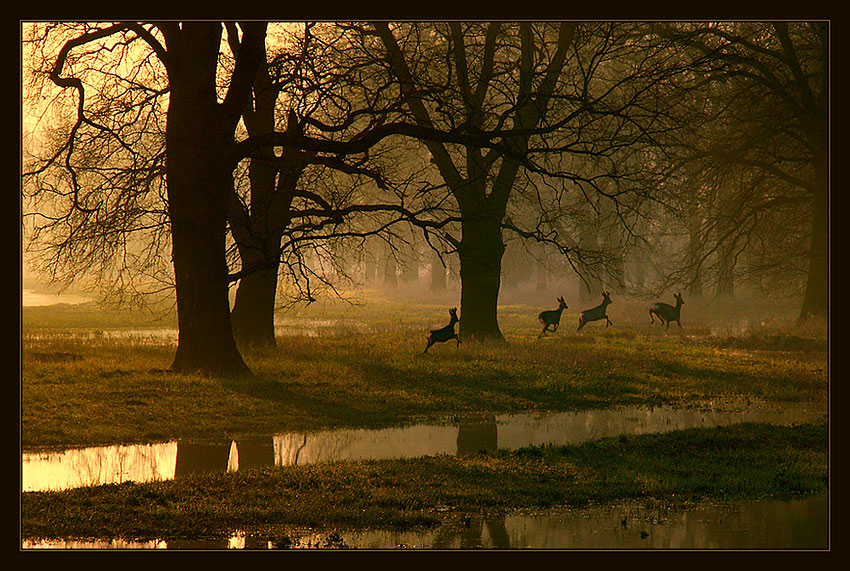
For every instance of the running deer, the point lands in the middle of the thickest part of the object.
(596, 313)
(552, 317)
(666, 312)
(444, 333)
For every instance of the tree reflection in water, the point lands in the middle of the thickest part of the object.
(468, 434)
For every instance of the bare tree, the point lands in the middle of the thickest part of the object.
(109, 168)
(470, 77)
(200, 121)
(768, 140)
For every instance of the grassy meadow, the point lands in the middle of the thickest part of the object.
(340, 365)
(362, 365)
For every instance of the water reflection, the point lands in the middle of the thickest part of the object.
(421, 440)
(202, 458)
(473, 532)
(252, 453)
(30, 298)
(477, 433)
(766, 524)
(468, 434)
(98, 465)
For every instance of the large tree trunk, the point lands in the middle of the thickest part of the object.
(253, 310)
(258, 238)
(258, 232)
(199, 185)
(481, 251)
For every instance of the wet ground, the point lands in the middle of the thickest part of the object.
(766, 524)
(64, 469)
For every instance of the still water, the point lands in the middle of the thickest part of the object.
(800, 524)
(769, 524)
(766, 524)
(65, 469)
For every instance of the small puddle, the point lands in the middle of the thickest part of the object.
(764, 524)
(66, 469)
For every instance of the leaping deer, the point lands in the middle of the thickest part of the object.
(595, 313)
(552, 317)
(666, 312)
(444, 333)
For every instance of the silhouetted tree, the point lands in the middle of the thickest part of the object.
(768, 132)
(200, 124)
(466, 74)
(108, 170)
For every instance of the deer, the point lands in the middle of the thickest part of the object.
(595, 313)
(666, 312)
(444, 333)
(552, 317)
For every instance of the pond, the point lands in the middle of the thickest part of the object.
(65, 469)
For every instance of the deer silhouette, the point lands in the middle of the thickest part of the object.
(595, 313)
(552, 317)
(444, 333)
(666, 312)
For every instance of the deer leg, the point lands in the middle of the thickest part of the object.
(651, 320)
(607, 321)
